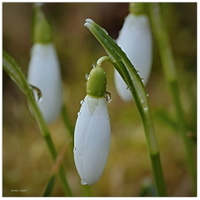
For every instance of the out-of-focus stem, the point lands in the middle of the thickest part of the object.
(169, 69)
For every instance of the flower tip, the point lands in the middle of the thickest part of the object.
(88, 22)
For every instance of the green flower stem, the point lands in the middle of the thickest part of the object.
(67, 121)
(137, 8)
(101, 60)
(169, 69)
(49, 187)
(122, 64)
(15, 73)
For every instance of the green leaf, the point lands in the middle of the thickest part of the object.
(49, 187)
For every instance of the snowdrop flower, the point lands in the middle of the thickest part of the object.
(135, 39)
(44, 69)
(92, 130)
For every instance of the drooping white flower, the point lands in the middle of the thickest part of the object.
(92, 130)
(92, 139)
(135, 39)
(44, 73)
(44, 68)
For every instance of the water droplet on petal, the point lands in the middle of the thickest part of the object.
(83, 182)
(79, 113)
(81, 102)
(36, 92)
(74, 149)
(87, 76)
(108, 97)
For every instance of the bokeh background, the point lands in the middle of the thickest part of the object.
(27, 164)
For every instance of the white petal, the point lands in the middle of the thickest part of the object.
(44, 73)
(135, 39)
(91, 139)
(121, 87)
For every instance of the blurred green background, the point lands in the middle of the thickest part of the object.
(27, 164)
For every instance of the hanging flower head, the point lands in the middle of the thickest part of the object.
(44, 69)
(135, 39)
(92, 130)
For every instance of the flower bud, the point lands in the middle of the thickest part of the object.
(92, 130)
(44, 73)
(44, 69)
(135, 39)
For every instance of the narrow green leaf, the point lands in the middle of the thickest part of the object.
(49, 187)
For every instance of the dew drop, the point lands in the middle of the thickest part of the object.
(36, 92)
(108, 97)
(130, 89)
(147, 95)
(145, 109)
(79, 113)
(83, 182)
(40, 99)
(74, 149)
(94, 65)
(87, 76)
(81, 102)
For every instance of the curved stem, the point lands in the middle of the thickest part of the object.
(15, 73)
(127, 71)
(102, 59)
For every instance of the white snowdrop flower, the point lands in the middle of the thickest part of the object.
(44, 68)
(92, 130)
(135, 39)
(44, 73)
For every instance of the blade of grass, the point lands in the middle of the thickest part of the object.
(50, 186)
